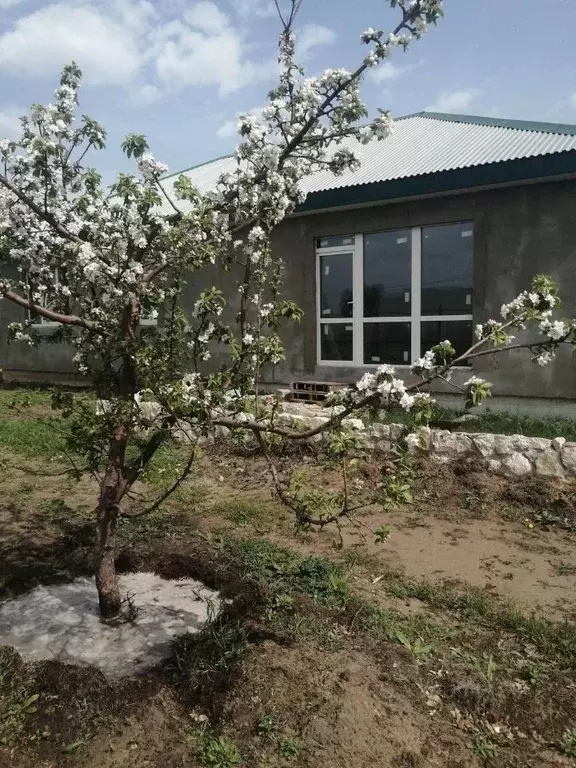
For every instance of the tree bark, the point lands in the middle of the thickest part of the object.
(109, 598)
(111, 492)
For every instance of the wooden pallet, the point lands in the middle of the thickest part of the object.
(313, 391)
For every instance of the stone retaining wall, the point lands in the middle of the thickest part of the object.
(512, 455)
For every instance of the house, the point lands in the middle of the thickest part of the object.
(446, 220)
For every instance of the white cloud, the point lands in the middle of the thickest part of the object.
(250, 8)
(206, 50)
(147, 94)
(10, 122)
(10, 3)
(455, 101)
(385, 72)
(311, 36)
(44, 41)
(573, 100)
(131, 43)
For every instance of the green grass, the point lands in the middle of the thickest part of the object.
(17, 701)
(497, 422)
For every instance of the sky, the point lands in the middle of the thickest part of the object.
(180, 71)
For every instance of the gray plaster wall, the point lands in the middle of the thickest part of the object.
(519, 232)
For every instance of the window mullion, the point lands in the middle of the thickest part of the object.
(358, 297)
(416, 291)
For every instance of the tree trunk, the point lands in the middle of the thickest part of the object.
(104, 566)
(111, 492)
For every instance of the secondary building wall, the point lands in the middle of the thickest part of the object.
(518, 232)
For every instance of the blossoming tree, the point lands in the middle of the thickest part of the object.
(107, 268)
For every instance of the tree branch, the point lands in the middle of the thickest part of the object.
(49, 314)
(44, 215)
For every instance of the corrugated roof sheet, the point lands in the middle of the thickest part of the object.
(425, 143)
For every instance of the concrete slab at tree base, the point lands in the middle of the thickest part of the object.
(61, 622)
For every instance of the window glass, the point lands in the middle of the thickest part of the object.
(447, 254)
(336, 285)
(387, 343)
(458, 332)
(334, 242)
(387, 274)
(336, 341)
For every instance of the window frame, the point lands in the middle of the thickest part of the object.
(358, 320)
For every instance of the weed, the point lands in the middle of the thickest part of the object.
(201, 662)
(16, 701)
(58, 511)
(567, 743)
(240, 511)
(287, 573)
(289, 747)
(546, 519)
(213, 751)
(483, 747)
(267, 725)
(417, 648)
(564, 569)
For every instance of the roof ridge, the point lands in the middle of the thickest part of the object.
(535, 126)
(195, 167)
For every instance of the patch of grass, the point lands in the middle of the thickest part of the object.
(267, 725)
(31, 437)
(289, 747)
(567, 743)
(241, 512)
(564, 569)
(553, 639)
(213, 751)
(481, 746)
(203, 662)
(164, 523)
(494, 422)
(17, 702)
(288, 573)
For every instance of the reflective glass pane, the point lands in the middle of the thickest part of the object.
(334, 242)
(336, 341)
(387, 343)
(336, 285)
(387, 274)
(447, 256)
(458, 332)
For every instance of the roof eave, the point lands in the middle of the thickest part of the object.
(493, 174)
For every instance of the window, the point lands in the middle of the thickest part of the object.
(387, 297)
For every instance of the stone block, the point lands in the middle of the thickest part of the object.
(569, 458)
(558, 443)
(451, 442)
(517, 465)
(548, 464)
(484, 444)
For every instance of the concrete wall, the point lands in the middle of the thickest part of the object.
(519, 232)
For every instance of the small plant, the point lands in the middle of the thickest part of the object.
(267, 725)
(289, 747)
(483, 747)
(382, 533)
(214, 751)
(418, 648)
(567, 743)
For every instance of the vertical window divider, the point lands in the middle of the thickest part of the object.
(358, 296)
(416, 293)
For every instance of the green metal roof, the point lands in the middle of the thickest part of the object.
(429, 153)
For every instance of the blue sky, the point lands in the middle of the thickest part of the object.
(181, 70)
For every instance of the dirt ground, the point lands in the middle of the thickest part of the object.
(449, 644)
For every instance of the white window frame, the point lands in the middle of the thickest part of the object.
(358, 320)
